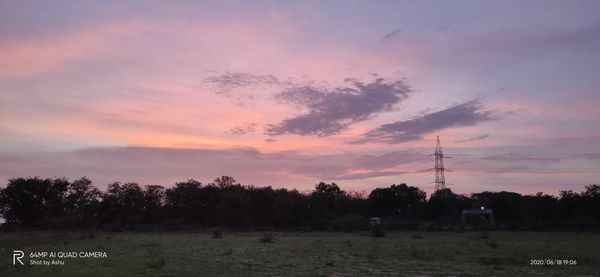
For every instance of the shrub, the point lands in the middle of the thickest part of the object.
(416, 236)
(88, 235)
(112, 228)
(489, 261)
(216, 234)
(493, 245)
(61, 222)
(156, 262)
(377, 231)
(267, 238)
(172, 225)
(350, 223)
(155, 258)
(348, 243)
(373, 253)
(419, 254)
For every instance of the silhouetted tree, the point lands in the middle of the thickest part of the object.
(326, 202)
(592, 200)
(32, 202)
(504, 204)
(262, 201)
(580, 211)
(446, 206)
(397, 200)
(122, 204)
(538, 211)
(225, 181)
(82, 202)
(153, 201)
(189, 202)
(328, 199)
(235, 208)
(290, 208)
(57, 203)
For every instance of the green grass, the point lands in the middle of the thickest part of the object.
(307, 254)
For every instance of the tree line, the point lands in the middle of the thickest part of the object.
(57, 203)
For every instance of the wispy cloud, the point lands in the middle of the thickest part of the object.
(391, 35)
(243, 128)
(465, 114)
(22, 58)
(524, 158)
(475, 138)
(588, 156)
(321, 171)
(232, 80)
(387, 160)
(332, 111)
(166, 165)
(371, 174)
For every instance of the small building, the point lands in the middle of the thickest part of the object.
(481, 216)
(375, 221)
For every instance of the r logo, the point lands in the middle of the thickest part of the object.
(17, 255)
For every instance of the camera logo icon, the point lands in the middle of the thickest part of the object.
(17, 256)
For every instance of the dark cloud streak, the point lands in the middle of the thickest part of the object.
(465, 114)
(526, 158)
(231, 80)
(475, 138)
(388, 160)
(243, 129)
(332, 111)
(391, 35)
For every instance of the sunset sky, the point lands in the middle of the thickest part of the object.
(290, 93)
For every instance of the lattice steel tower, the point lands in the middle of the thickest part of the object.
(440, 180)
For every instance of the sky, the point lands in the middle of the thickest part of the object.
(290, 93)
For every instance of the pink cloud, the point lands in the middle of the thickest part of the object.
(47, 54)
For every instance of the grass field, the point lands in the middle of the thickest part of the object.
(306, 254)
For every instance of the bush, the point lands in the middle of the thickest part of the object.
(493, 245)
(350, 223)
(172, 225)
(321, 224)
(489, 261)
(112, 228)
(216, 234)
(416, 236)
(377, 231)
(373, 253)
(61, 222)
(143, 227)
(419, 254)
(155, 258)
(267, 238)
(88, 235)
(156, 263)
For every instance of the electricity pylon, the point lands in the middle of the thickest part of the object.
(440, 179)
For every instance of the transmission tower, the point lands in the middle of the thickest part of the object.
(440, 180)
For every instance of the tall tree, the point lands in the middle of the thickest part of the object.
(397, 200)
(33, 201)
(123, 203)
(82, 201)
